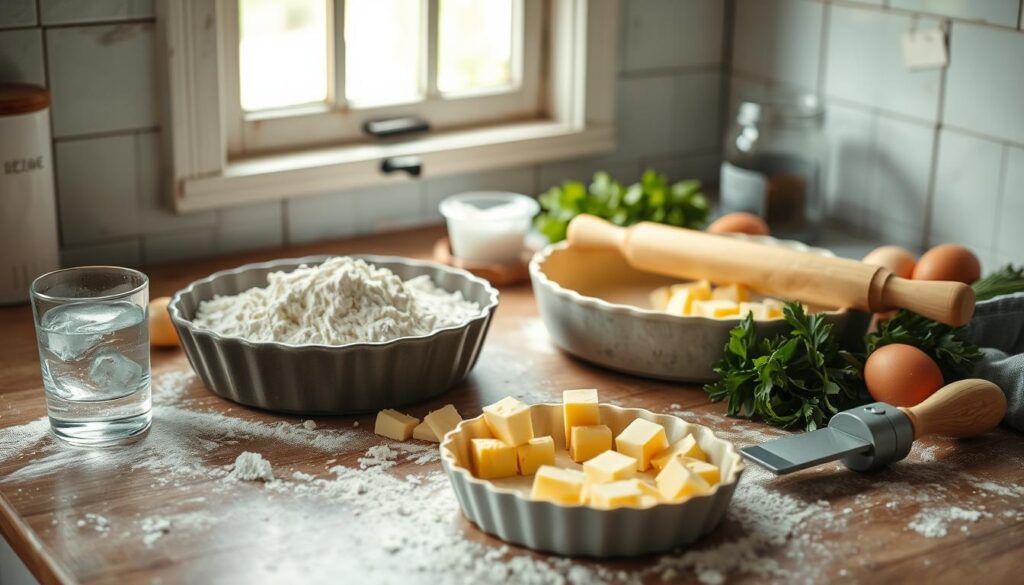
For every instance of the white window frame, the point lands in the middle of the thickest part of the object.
(212, 167)
(333, 123)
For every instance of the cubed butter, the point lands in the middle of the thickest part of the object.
(707, 471)
(757, 310)
(677, 481)
(614, 495)
(659, 298)
(687, 447)
(493, 459)
(648, 489)
(642, 440)
(443, 420)
(395, 425)
(554, 484)
(773, 307)
(684, 295)
(509, 420)
(422, 432)
(715, 309)
(609, 466)
(736, 293)
(579, 409)
(534, 453)
(589, 442)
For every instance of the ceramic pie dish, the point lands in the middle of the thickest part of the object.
(332, 379)
(502, 508)
(595, 306)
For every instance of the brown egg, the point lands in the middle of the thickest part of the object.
(897, 260)
(161, 330)
(901, 375)
(739, 222)
(948, 262)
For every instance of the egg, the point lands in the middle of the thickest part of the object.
(739, 222)
(897, 260)
(901, 375)
(948, 262)
(161, 330)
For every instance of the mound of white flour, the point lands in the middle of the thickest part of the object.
(343, 300)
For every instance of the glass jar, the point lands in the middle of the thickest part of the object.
(775, 164)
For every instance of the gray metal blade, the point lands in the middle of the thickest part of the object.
(798, 452)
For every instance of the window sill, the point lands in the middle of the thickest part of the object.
(336, 169)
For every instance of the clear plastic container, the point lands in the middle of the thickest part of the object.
(488, 226)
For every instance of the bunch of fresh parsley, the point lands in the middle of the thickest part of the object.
(652, 199)
(799, 379)
(1006, 280)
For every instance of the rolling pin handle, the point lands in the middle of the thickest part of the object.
(949, 302)
(589, 231)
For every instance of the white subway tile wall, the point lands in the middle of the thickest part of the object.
(101, 66)
(916, 157)
(899, 139)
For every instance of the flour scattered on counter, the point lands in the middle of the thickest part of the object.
(1006, 490)
(309, 425)
(344, 300)
(379, 456)
(153, 529)
(98, 522)
(170, 386)
(252, 467)
(15, 440)
(932, 523)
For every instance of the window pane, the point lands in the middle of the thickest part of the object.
(383, 51)
(282, 53)
(475, 45)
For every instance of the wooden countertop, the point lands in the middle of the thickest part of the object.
(162, 511)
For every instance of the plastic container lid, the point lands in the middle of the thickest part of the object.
(20, 98)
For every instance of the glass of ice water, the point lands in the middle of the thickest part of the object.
(92, 329)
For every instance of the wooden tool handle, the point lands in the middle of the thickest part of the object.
(805, 276)
(961, 409)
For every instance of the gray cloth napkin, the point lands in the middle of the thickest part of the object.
(998, 329)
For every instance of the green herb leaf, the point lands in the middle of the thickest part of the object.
(650, 199)
(1004, 281)
(799, 379)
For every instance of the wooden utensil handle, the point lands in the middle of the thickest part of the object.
(808, 277)
(961, 409)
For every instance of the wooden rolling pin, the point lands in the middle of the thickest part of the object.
(804, 276)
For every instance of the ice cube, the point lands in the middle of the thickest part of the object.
(112, 374)
(70, 347)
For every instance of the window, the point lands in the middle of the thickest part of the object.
(311, 72)
(268, 98)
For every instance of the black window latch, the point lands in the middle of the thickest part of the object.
(411, 165)
(395, 126)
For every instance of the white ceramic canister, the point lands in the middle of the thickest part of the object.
(28, 210)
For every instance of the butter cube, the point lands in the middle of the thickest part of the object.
(554, 484)
(579, 409)
(648, 489)
(609, 466)
(707, 471)
(736, 293)
(509, 420)
(534, 453)
(614, 495)
(687, 447)
(659, 298)
(443, 420)
(677, 481)
(395, 425)
(642, 440)
(493, 459)
(773, 308)
(757, 310)
(715, 309)
(683, 297)
(422, 432)
(589, 442)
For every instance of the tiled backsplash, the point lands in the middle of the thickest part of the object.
(99, 61)
(917, 157)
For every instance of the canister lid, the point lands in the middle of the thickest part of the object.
(18, 98)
